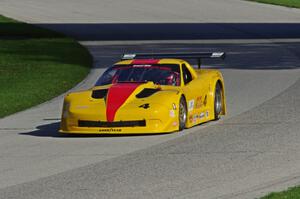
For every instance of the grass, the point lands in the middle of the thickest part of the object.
(36, 65)
(287, 3)
(291, 193)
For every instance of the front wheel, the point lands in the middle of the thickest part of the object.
(182, 113)
(218, 101)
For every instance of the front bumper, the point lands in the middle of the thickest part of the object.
(151, 127)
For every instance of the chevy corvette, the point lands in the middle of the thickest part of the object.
(147, 93)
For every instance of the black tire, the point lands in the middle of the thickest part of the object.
(182, 115)
(218, 101)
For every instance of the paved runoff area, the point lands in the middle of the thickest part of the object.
(250, 152)
(145, 11)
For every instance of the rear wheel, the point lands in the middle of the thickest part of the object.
(182, 113)
(218, 107)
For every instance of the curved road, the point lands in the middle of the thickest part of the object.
(250, 152)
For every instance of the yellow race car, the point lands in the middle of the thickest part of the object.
(147, 93)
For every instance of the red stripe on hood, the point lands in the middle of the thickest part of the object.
(117, 95)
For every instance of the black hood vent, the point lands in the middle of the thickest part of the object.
(147, 92)
(99, 94)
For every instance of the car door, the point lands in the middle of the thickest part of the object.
(195, 90)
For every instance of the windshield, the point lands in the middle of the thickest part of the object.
(162, 74)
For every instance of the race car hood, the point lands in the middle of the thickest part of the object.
(116, 96)
(107, 101)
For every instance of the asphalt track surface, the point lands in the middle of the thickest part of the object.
(253, 150)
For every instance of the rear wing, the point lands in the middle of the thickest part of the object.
(194, 55)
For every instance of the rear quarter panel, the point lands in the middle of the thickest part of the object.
(212, 77)
(202, 91)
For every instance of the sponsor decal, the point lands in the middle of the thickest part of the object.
(172, 113)
(191, 105)
(217, 54)
(191, 118)
(145, 106)
(129, 56)
(110, 130)
(201, 115)
(174, 106)
(195, 118)
(141, 66)
(174, 123)
(201, 102)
